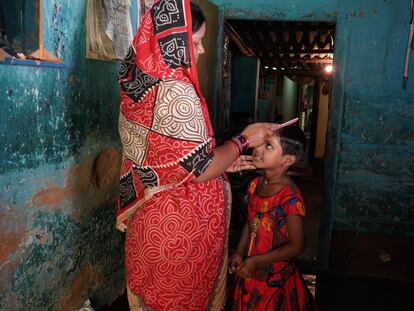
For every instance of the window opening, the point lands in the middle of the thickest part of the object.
(21, 35)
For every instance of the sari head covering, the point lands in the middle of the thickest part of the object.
(164, 123)
(176, 243)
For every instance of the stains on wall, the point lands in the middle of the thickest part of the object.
(14, 233)
(88, 275)
(87, 185)
(60, 237)
(105, 171)
(59, 166)
(279, 10)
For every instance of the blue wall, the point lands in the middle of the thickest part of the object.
(264, 105)
(290, 99)
(244, 84)
(57, 202)
(370, 173)
(59, 245)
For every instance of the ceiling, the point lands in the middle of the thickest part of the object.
(291, 47)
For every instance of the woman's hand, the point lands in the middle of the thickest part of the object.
(242, 163)
(256, 133)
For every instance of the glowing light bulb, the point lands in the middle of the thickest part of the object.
(328, 68)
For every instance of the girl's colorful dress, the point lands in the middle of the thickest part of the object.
(176, 242)
(278, 286)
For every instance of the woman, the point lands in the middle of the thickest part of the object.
(173, 198)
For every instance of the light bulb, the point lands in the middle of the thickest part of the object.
(328, 68)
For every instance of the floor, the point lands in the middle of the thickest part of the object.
(344, 293)
(333, 290)
(356, 293)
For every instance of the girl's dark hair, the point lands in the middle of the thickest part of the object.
(197, 16)
(293, 141)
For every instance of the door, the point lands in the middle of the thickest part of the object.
(207, 63)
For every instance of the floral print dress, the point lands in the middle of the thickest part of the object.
(278, 286)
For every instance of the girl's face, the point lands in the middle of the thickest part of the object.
(269, 155)
(197, 41)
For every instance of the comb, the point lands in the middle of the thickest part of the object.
(287, 123)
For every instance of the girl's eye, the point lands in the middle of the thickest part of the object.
(268, 146)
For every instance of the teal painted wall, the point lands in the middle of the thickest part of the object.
(59, 245)
(370, 172)
(290, 99)
(244, 84)
(264, 105)
(57, 200)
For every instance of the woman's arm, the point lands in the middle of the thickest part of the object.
(225, 154)
(222, 159)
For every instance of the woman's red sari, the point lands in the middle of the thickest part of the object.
(176, 241)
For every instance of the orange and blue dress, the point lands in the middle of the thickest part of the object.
(278, 286)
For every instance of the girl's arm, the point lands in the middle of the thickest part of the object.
(291, 249)
(286, 252)
(244, 240)
(237, 258)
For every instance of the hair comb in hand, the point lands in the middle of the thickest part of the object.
(287, 123)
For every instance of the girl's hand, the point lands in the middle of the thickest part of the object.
(235, 262)
(243, 163)
(248, 269)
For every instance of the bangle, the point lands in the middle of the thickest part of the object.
(242, 142)
(236, 148)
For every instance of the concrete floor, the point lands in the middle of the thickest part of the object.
(358, 278)
(344, 293)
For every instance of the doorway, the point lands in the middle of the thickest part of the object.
(273, 71)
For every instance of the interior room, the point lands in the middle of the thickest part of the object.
(341, 67)
(291, 65)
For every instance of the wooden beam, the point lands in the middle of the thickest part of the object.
(244, 48)
(304, 51)
(273, 61)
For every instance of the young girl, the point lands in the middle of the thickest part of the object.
(267, 276)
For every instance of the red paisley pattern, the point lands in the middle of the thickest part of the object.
(176, 242)
(174, 249)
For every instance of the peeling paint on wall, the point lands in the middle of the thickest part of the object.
(87, 185)
(59, 166)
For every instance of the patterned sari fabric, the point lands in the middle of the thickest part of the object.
(176, 242)
(278, 286)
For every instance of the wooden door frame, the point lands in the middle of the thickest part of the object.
(332, 145)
